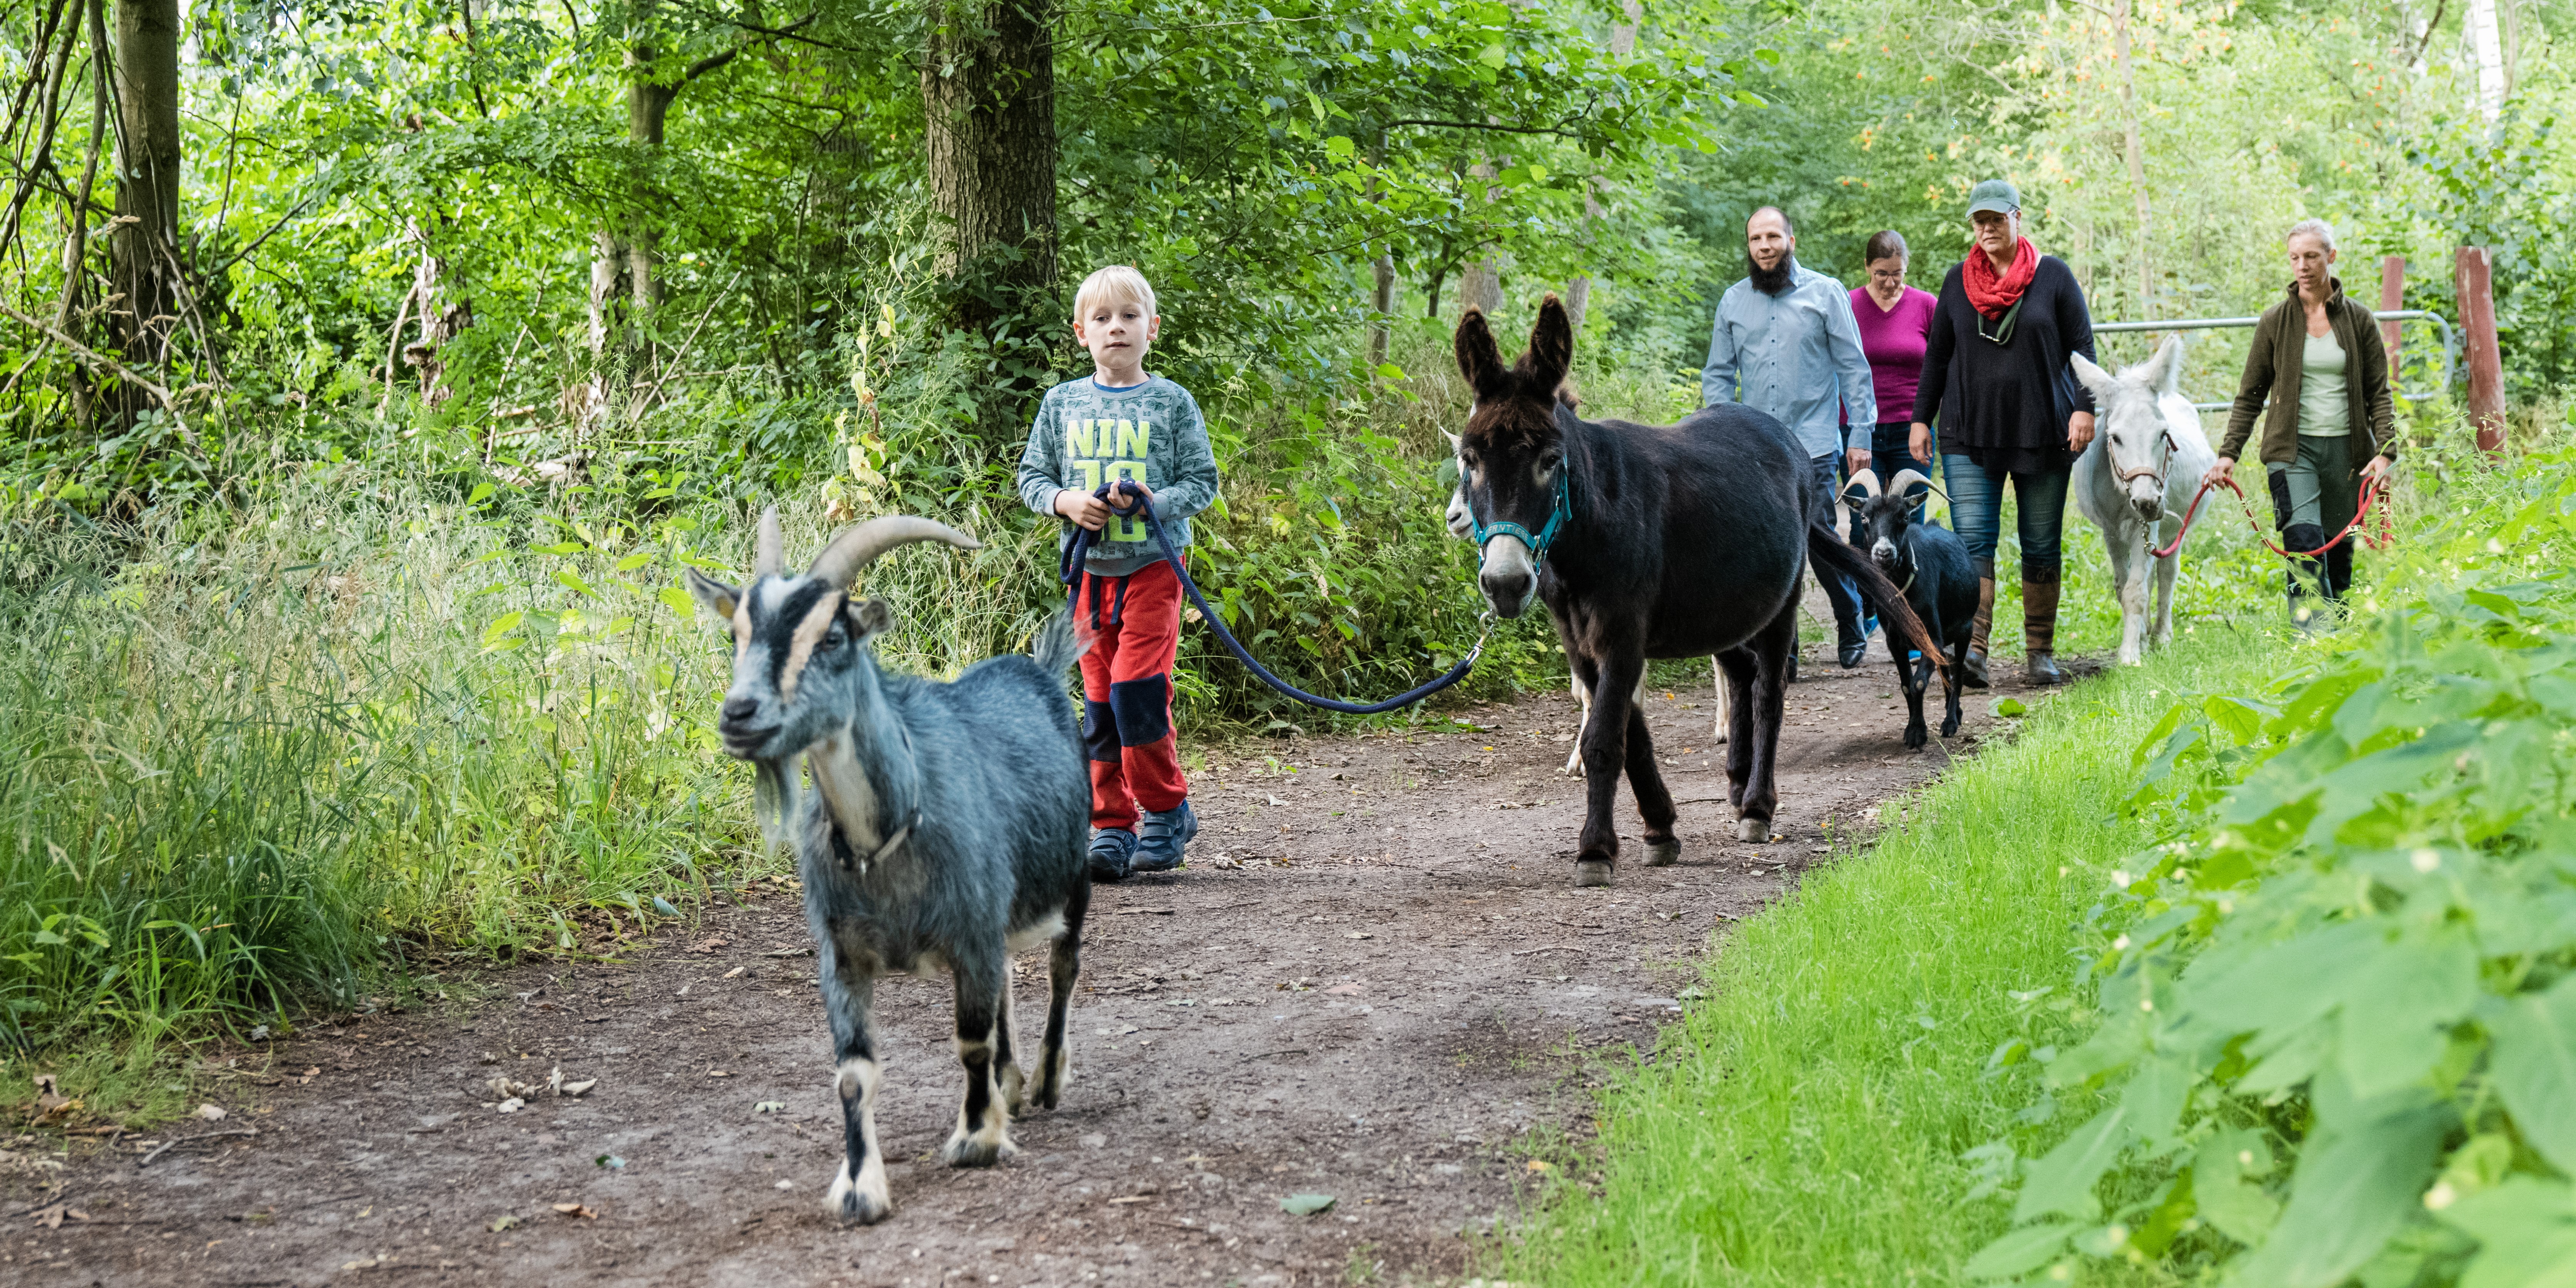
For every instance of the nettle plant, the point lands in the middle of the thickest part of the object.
(2336, 1008)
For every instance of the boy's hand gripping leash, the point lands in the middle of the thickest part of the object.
(1071, 574)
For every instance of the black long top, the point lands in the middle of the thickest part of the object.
(2005, 406)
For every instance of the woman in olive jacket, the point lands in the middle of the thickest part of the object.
(2318, 355)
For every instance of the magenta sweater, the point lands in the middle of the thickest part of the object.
(1893, 341)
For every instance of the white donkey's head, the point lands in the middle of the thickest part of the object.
(2131, 422)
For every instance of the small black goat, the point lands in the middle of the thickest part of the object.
(947, 828)
(1929, 564)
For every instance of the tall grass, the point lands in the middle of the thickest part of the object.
(1806, 1123)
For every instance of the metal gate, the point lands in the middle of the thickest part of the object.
(2450, 344)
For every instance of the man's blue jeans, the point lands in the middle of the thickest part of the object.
(1839, 590)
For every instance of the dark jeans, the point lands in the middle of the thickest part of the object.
(1976, 511)
(1839, 590)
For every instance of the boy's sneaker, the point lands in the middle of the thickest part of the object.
(1160, 837)
(1111, 848)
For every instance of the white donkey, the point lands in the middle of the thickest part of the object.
(1461, 523)
(2136, 479)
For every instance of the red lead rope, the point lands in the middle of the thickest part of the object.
(2374, 494)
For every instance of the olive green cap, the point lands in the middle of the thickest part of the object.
(1997, 195)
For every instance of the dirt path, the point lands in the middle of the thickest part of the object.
(1375, 981)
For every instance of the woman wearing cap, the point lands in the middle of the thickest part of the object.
(2319, 356)
(1895, 324)
(1996, 375)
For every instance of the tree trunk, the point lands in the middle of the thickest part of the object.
(988, 97)
(143, 255)
(2136, 148)
(1578, 290)
(2487, 38)
(1381, 304)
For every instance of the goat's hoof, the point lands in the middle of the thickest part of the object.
(1915, 736)
(1592, 872)
(1663, 854)
(976, 1151)
(856, 1204)
(1013, 1084)
(1950, 727)
(1756, 830)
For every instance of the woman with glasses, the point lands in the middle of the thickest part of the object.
(2317, 355)
(1895, 324)
(1996, 375)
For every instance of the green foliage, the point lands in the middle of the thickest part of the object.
(2348, 949)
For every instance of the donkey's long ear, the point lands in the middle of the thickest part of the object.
(1479, 360)
(2164, 371)
(2101, 384)
(1551, 351)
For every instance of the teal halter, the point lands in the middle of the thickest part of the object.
(1562, 506)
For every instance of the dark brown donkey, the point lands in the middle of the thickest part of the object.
(1649, 541)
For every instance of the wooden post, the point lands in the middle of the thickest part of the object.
(2470, 275)
(2392, 297)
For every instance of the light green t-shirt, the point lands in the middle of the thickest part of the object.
(2324, 408)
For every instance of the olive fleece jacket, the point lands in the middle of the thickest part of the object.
(2273, 365)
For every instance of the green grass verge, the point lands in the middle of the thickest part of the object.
(1805, 1124)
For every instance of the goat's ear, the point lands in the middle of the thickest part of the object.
(2164, 371)
(1479, 360)
(1454, 441)
(717, 597)
(870, 618)
(2097, 381)
(1551, 351)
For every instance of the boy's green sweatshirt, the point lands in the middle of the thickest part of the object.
(1087, 435)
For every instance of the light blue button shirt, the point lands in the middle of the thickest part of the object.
(1795, 355)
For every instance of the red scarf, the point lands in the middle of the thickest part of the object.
(1991, 294)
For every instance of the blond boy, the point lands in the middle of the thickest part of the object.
(1121, 424)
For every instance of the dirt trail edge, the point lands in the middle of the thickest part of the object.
(1375, 981)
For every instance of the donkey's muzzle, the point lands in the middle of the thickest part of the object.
(1508, 590)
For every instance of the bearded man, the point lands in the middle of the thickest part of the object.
(1786, 343)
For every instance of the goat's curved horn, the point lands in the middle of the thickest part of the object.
(770, 557)
(1866, 481)
(1905, 479)
(840, 562)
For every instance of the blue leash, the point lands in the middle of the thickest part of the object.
(1071, 572)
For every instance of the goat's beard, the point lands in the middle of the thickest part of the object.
(773, 801)
(1771, 281)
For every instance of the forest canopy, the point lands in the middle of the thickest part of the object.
(292, 223)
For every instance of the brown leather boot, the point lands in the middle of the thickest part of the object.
(2039, 633)
(1972, 666)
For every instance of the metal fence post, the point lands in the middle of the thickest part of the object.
(2470, 275)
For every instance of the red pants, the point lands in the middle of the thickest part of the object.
(1134, 625)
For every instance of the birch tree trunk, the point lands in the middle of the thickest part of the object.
(2487, 38)
(1578, 290)
(2135, 148)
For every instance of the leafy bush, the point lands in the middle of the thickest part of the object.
(2326, 1027)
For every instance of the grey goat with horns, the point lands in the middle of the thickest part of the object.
(946, 831)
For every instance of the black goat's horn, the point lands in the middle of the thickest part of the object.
(840, 562)
(1866, 481)
(770, 557)
(1905, 479)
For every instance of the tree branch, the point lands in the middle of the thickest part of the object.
(713, 61)
(1558, 130)
(96, 359)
